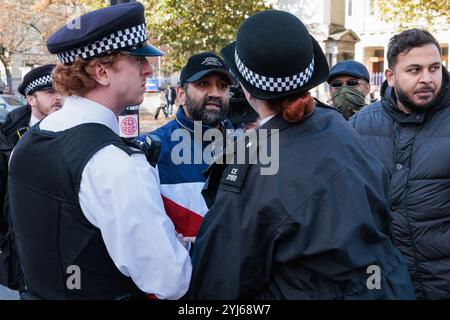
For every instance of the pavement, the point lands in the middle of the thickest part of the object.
(147, 122)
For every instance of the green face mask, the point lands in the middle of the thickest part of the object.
(349, 100)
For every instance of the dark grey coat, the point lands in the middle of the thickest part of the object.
(416, 151)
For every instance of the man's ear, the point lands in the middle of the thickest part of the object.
(101, 74)
(366, 89)
(31, 100)
(181, 96)
(247, 94)
(390, 77)
(254, 102)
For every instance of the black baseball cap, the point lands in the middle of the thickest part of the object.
(202, 64)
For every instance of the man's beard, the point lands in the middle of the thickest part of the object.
(44, 111)
(408, 103)
(198, 112)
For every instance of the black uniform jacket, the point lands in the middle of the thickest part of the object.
(310, 231)
(15, 125)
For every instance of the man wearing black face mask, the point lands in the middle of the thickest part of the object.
(408, 130)
(349, 86)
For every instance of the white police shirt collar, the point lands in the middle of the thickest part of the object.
(263, 121)
(33, 120)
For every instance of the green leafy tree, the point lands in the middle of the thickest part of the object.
(26, 24)
(191, 26)
(430, 14)
(184, 27)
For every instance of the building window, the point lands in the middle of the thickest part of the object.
(350, 8)
(379, 53)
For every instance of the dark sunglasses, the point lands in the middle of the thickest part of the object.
(348, 83)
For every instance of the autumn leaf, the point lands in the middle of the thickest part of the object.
(430, 14)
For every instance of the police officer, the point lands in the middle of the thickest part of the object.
(349, 86)
(312, 228)
(42, 99)
(83, 232)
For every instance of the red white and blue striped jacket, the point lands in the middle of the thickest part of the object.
(181, 184)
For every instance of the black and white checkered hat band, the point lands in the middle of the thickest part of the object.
(284, 84)
(118, 40)
(41, 82)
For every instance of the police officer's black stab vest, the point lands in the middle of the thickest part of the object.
(51, 230)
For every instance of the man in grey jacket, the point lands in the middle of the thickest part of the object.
(408, 131)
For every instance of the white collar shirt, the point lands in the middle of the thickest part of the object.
(265, 120)
(33, 120)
